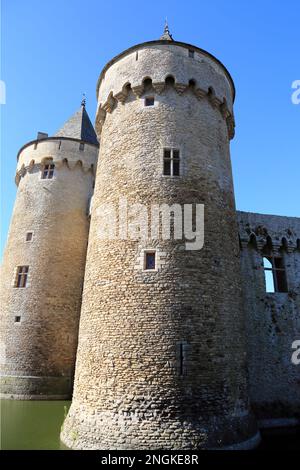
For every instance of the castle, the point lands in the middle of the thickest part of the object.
(174, 348)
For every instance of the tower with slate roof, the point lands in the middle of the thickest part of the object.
(44, 261)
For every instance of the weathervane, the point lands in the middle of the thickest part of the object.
(83, 101)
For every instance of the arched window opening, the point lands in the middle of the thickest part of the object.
(268, 247)
(147, 82)
(252, 241)
(284, 244)
(170, 80)
(211, 92)
(275, 275)
(192, 83)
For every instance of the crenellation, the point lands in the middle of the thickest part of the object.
(160, 88)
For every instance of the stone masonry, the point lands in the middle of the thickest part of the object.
(38, 352)
(272, 319)
(192, 354)
(128, 390)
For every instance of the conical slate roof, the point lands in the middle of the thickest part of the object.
(79, 127)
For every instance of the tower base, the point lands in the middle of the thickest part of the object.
(35, 388)
(85, 428)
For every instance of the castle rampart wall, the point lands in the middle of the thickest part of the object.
(272, 318)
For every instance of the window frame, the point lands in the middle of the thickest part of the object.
(21, 277)
(274, 270)
(171, 159)
(145, 254)
(47, 172)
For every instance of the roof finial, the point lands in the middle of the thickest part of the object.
(167, 36)
(166, 30)
(83, 101)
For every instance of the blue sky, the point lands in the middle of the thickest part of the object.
(53, 50)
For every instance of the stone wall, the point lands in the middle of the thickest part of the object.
(273, 319)
(129, 393)
(38, 352)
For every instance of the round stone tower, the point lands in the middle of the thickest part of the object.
(44, 260)
(161, 357)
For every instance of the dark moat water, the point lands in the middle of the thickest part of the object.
(36, 425)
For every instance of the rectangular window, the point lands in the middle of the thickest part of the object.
(149, 263)
(81, 146)
(17, 319)
(275, 276)
(21, 277)
(149, 101)
(48, 171)
(171, 162)
(191, 53)
(29, 236)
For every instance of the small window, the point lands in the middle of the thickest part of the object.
(81, 146)
(59, 145)
(17, 319)
(191, 53)
(275, 276)
(29, 236)
(149, 101)
(171, 162)
(48, 171)
(21, 276)
(149, 260)
(136, 55)
(35, 146)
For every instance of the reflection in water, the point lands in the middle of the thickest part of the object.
(32, 424)
(36, 425)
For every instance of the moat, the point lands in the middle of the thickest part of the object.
(36, 425)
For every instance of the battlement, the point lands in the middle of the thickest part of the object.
(162, 64)
(60, 151)
(278, 232)
(147, 86)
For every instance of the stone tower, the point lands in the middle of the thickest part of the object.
(43, 265)
(161, 355)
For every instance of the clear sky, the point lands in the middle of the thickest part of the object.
(53, 50)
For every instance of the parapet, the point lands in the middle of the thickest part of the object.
(160, 62)
(261, 229)
(59, 150)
